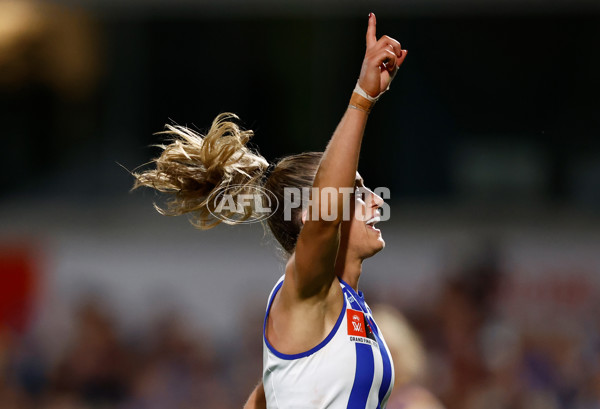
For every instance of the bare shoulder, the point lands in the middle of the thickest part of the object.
(296, 324)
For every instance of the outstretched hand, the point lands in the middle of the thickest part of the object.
(382, 59)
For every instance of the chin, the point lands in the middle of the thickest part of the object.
(381, 245)
(376, 247)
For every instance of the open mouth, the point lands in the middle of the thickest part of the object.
(371, 222)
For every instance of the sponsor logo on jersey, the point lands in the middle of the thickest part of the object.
(359, 328)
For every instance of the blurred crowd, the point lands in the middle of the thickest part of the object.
(465, 350)
(168, 366)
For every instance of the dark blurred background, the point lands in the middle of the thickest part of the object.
(488, 140)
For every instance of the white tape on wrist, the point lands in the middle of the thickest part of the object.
(364, 94)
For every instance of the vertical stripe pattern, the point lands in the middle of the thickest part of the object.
(355, 303)
(363, 378)
(349, 369)
(387, 369)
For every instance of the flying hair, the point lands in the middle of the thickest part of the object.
(192, 167)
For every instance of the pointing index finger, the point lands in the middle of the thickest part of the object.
(371, 37)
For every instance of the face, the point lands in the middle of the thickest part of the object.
(360, 233)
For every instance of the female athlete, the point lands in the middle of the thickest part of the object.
(322, 348)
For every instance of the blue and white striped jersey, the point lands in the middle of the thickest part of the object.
(350, 369)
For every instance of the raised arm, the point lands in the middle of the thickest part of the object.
(318, 242)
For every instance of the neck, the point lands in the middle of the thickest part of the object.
(349, 269)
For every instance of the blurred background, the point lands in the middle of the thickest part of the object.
(488, 140)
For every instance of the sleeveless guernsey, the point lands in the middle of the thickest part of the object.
(351, 368)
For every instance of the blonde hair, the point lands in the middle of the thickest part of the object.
(408, 354)
(194, 166)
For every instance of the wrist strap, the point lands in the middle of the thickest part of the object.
(364, 94)
(361, 103)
